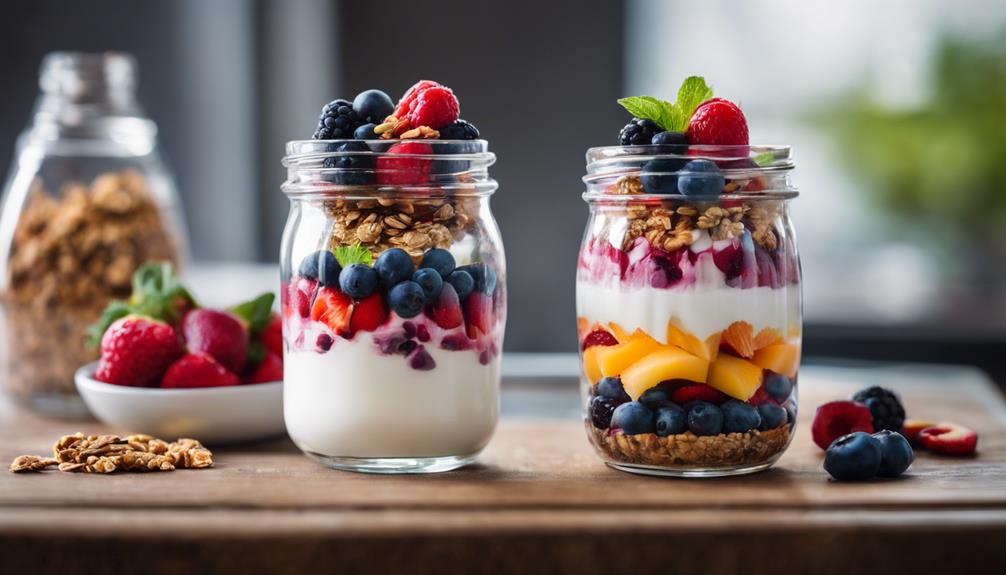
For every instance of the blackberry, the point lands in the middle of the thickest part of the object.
(338, 121)
(459, 130)
(638, 132)
(600, 410)
(884, 406)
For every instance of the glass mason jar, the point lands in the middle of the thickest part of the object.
(394, 303)
(688, 309)
(88, 200)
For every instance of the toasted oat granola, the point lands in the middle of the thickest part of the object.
(108, 453)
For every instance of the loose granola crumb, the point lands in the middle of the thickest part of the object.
(28, 463)
(109, 453)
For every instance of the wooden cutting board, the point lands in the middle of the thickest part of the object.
(539, 500)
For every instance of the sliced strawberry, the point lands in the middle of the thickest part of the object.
(272, 335)
(478, 314)
(301, 295)
(446, 311)
(198, 370)
(761, 396)
(949, 439)
(269, 369)
(334, 309)
(838, 418)
(698, 392)
(599, 337)
(368, 313)
(912, 427)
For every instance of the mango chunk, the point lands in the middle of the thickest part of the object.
(707, 350)
(781, 358)
(666, 363)
(620, 334)
(735, 377)
(766, 337)
(590, 366)
(614, 359)
(738, 338)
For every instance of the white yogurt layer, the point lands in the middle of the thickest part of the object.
(354, 402)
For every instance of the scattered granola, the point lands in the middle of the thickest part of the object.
(108, 453)
(26, 463)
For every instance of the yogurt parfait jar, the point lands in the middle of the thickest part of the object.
(689, 307)
(393, 303)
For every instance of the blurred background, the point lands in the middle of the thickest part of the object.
(897, 120)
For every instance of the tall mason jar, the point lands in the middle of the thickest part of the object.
(394, 303)
(87, 201)
(689, 309)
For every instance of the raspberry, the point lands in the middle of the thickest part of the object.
(718, 122)
(403, 105)
(402, 170)
(838, 418)
(338, 121)
(599, 337)
(434, 107)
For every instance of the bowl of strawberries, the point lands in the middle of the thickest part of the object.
(170, 367)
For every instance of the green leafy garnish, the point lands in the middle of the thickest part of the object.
(671, 117)
(355, 254)
(256, 312)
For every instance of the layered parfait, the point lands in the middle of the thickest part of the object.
(688, 292)
(394, 286)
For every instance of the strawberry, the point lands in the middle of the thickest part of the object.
(301, 295)
(446, 311)
(435, 107)
(334, 309)
(698, 392)
(912, 427)
(410, 96)
(198, 370)
(402, 170)
(272, 335)
(268, 370)
(761, 396)
(599, 337)
(135, 351)
(949, 439)
(838, 418)
(368, 313)
(718, 122)
(217, 333)
(478, 314)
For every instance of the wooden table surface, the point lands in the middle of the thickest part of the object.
(538, 500)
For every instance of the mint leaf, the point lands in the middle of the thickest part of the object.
(256, 352)
(765, 158)
(693, 91)
(649, 108)
(355, 254)
(671, 117)
(256, 312)
(114, 311)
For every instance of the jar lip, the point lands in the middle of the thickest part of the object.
(299, 150)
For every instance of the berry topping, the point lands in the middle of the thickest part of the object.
(772, 416)
(601, 408)
(218, 334)
(478, 310)
(462, 282)
(135, 351)
(302, 295)
(459, 130)
(321, 266)
(445, 311)
(778, 386)
(324, 342)
(697, 392)
(634, 418)
(599, 337)
(401, 170)
(272, 335)
(729, 260)
(268, 370)
(913, 427)
(659, 176)
(373, 106)
(895, 453)
(740, 417)
(421, 359)
(700, 178)
(338, 121)
(705, 418)
(440, 260)
(350, 169)
(430, 281)
(949, 439)
(717, 122)
(638, 132)
(669, 139)
(198, 370)
(394, 266)
(369, 313)
(334, 309)
(484, 276)
(365, 132)
(435, 107)
(407, 299)
(884, 406)
(358, 281)
(455, 342)
(671, 420)
(853, 457)
(838, 418)
(422, 333)
(611, 387)
(410, 96)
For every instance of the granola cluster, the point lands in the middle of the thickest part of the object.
(108, 453)
(392, 222)
(688, 449)
(72, 253)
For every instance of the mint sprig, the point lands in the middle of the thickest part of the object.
(672, 117)
(355, 254)
(256, 312)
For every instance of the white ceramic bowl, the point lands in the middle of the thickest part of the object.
(213, 415)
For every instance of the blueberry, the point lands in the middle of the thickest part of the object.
(462, 282)
(659, 176)
(365, 132)
(611, 387)
(778, 386)
(895, 453)
(670, 139)
(700, 178)
(358, 281)
(772, 416)
(439, 259)
(853, 457)
(739, 417)
(430, 281)
(633, 418)
(394, 266)
(671, 420)
(484, 276)
(705, 418)
(321, 266)
(600, 409)
(407, 299)
(453, 166)
(655, 398)
(373, 106)
(350, 169)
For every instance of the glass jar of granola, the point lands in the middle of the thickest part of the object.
(688, 303)
(88, 200)
(393, 303)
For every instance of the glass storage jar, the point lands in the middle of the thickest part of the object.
(88, 200)
(689, 309)
(393, 303)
